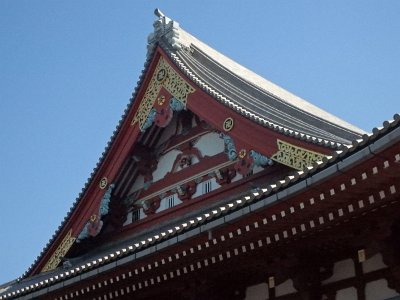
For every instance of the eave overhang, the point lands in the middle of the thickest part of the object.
(374, 155)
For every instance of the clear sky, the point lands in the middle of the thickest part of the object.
(68, 68)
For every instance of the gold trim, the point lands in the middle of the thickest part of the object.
(242, 153)
(164, 76)
(228, 124)
(60, 252)
(103, 183)
(294, 156)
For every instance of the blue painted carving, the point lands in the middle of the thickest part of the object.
(230, 148)
(106, 200)
(84, 233)
(176, 105)
(93, 226)
(259, 159)
(149, 120)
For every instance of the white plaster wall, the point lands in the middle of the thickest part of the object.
(210, 144)
(165, 164)
(285, 288)
(378, 290)
(129, 217)
(347, 294)
(341, 270)
(164, 202)
(200, 187)
(257, 292)
(373, 263)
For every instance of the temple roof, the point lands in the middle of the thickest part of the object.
(238, 88)
(246, 92)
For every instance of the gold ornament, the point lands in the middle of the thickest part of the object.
(60, 252)
(103, 183)
(242, 153)
(294, 156)
(228, 124)
(164, 76)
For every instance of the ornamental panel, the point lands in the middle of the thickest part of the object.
(294, 156)
(60, 252)
(164, 76)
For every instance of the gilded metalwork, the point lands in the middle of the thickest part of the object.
(103, 183)
(228, 124)
(164, 76)
(60, 252)
(295, 157)
(161, 100)
(242, 153)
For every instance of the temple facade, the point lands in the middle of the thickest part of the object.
(218, 184)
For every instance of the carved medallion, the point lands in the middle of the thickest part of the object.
(228, 124)
(103, 183)
(242, 153)
(60, 252)
(164, 76)
(294, 156)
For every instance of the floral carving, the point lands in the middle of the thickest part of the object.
(165, 77)
(294, 156)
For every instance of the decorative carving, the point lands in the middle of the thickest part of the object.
(151, 206)
(185, 159)
(228, 124)
(106, 200)
(230, 148)
(259, 159)
(103, 183)
(164, 76)
(242, 153)
(294, 156)
(186, 191)
(60, 252)
(176, 105)
(225, 176)
(95, 224)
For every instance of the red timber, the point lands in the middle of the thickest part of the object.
(245, 233)
(112, 162)
(246, 134)
(209, 199)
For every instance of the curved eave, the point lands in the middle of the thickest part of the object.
(315, 134)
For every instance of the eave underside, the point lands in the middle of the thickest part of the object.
(344, 212)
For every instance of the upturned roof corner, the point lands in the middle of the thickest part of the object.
(166, 29)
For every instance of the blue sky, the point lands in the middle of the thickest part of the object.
(68, 68)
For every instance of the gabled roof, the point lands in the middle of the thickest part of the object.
(236, 87)
(246, 92)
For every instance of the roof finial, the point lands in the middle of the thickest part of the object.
(165, 29)
(158, 13)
